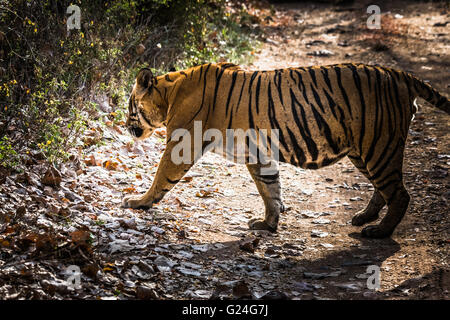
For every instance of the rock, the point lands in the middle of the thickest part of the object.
(221, 291)
(157, 230)
(241, 290)
(189, 272)
(199, 294)
(145, 267)
(318, 233)
(303, 286)
(55, 286)
(317, 276)
(182, 234)
(321, 221)
(275, 295)
(200, 247)
(162, 261)
(128, 223)
(146, 293)
(140, 49)
(20, 212)
(349, 286)
(52, 178)
(321, 53)
(249, 244)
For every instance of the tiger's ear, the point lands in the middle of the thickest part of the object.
(144, 78)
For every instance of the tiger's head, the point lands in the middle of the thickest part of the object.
(146, 108)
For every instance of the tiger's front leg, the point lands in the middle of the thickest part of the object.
(167, 176)
(268, 184)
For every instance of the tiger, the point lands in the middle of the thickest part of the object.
(322, 114)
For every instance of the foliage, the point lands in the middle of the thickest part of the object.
(51, 78)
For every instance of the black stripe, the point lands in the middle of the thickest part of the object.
(326, 130)
(204, 91)
(298, 151)
(201, 72)
(310, 143)
(173, 181)
(168, 78)
(312, 73)
(391, 105)
(357, 81)
(368, 76)
(327, 161)
(230, 121)
(273, 119)
(383, 186)
(252, 78)
(250, 113)
(410, 95)
(280, 155)
(278, 75)
(228, 65)
(240, 94)
(380, 170)
(326, 78)
(267, 179)
(233, 82)
(258, 87)
(301, 86)
(292, 76)
(344, 94)
(216, 89)
(331, 104)
(317, 98)
(377, 122)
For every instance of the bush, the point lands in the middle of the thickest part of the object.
(51, 78)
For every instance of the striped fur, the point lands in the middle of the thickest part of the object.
(323, 113)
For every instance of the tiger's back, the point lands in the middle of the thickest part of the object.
(322, 113)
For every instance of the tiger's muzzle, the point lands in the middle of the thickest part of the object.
(136, 131)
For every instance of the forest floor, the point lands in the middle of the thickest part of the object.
(195, 243)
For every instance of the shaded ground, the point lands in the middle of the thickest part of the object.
(195, 243)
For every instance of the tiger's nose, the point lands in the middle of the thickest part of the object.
(136, 131)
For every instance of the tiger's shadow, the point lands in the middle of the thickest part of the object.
(327, 268)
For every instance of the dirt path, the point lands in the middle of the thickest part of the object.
(195, 243)
(315, 239)
(414, 263)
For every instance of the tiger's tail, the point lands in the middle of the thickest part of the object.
(425, 91)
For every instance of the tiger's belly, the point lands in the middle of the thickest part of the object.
(251, 152)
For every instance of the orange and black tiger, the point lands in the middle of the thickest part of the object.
(321, 114)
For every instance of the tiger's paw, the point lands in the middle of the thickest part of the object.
(375, 232)
(258, 224)
(135, 202)
(362, 218)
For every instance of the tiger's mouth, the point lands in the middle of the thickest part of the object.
(139, 133)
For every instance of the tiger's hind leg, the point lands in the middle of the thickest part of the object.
(376, 203)
(268, 185)
(387, 178)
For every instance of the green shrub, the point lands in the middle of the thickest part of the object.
(49, 77)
